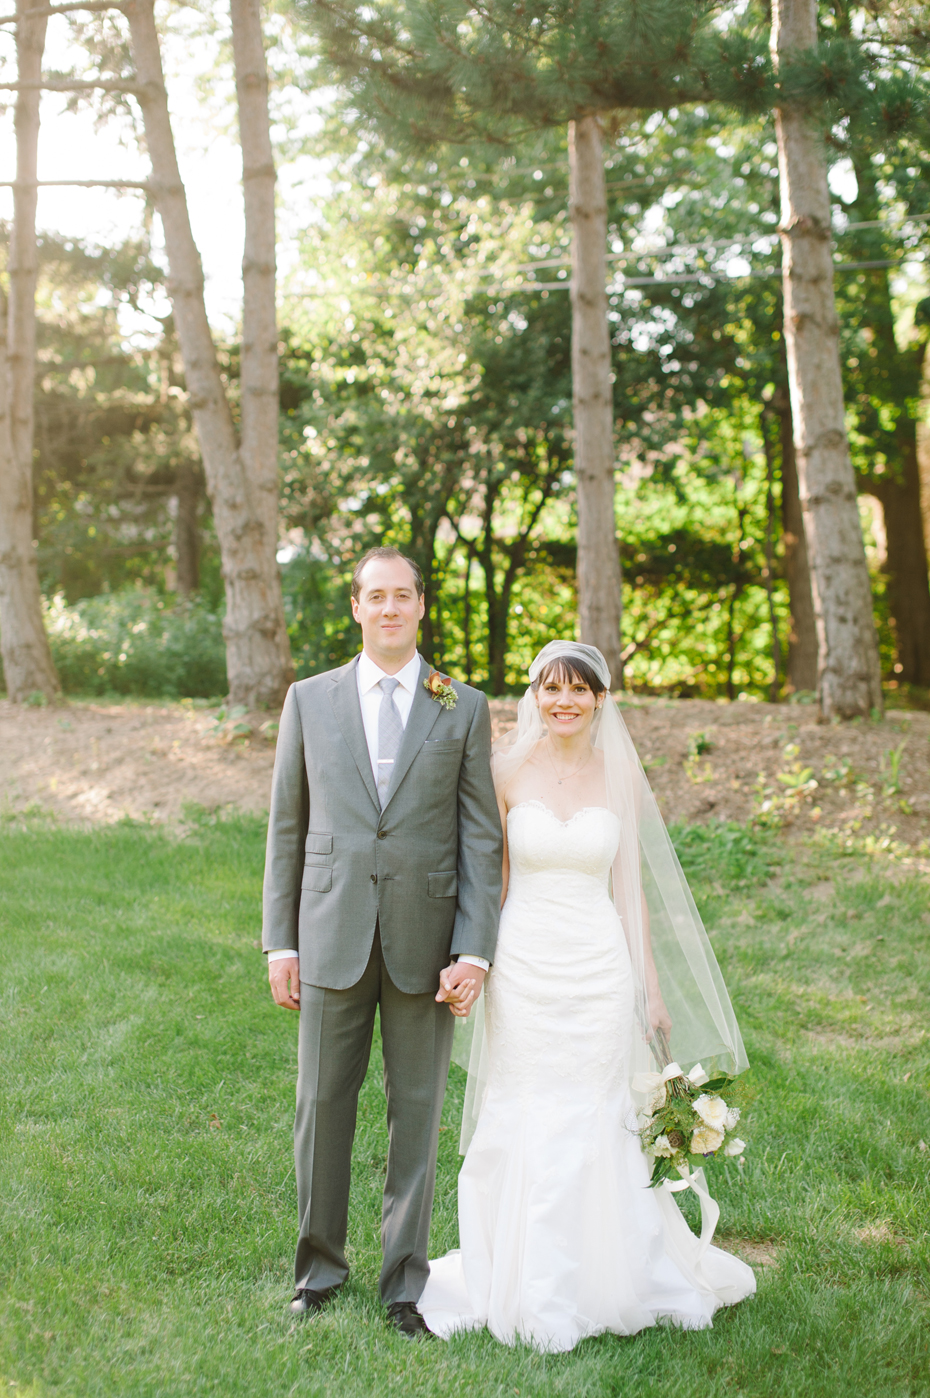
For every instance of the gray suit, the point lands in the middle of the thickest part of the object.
(375, 901)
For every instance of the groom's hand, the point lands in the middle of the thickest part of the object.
(459, 986)
(284, 978)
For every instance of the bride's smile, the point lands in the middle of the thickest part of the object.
(566, 706)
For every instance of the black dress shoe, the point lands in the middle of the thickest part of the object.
(308, 1302)
(405, 1317)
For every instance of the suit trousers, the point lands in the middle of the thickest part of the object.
(334, 1047)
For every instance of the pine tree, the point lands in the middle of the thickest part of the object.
(849, 678)
(428, 73)
(241, 469)
(432, 73)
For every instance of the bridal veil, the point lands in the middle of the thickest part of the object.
(652, 898)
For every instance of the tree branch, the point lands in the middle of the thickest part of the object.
(74, 85)
(62, 9)
(80, 184)
(675, 614)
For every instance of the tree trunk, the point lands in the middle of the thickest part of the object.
(257, 651)
(923, 439)
(802, 637)
(429, 642)
(466, 612)
(906, 567)
(849, 681)
(187, 529)
(600, 597)
(259, 362)
(27, 660)
(775, 686)
(898, 490)
(497, 621)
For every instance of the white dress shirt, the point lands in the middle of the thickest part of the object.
(369, 677)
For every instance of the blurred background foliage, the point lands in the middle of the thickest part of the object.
(426, 402)
(137, 642)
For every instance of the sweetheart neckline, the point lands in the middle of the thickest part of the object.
(541, 806)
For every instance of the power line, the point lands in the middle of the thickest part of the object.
(678, 249)
(682, 249)
(690, 277)
(767, 272)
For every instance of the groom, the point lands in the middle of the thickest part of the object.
(382, 890)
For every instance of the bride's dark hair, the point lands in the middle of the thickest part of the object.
(571, 668)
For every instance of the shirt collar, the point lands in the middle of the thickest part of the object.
(370, 674)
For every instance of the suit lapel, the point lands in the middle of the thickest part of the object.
(424, 712)
(343, 696)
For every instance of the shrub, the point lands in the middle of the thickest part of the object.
(137, 642)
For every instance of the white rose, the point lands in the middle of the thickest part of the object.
(712, 1111)
(661, 1147)
(732, 1118)
(705, 1140)
(735, 1147)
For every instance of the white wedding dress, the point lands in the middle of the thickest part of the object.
(560, 1236)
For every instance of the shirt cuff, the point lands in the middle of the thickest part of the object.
(475, 961)
(278, 955)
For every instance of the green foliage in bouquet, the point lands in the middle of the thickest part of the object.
(691, 1122)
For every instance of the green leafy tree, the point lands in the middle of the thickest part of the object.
(432, 73)
(118, 482)
(438, 421)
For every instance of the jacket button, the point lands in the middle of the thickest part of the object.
(374, 878)
(382, 834)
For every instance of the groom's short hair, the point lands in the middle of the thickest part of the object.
(384, 553)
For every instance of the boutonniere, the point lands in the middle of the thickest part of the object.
(440, 689)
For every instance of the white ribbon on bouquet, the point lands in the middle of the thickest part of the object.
(649, 1083)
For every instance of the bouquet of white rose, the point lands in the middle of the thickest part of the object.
(688, 1121)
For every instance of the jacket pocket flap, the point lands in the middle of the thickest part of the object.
(442, 885)
(319, 844)
(443, 744)
(316, 879)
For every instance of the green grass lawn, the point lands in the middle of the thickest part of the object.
(146, 1185)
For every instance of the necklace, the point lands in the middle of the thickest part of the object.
(569, 776)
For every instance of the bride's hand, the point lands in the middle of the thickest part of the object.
(459, 986)
(660, 1021)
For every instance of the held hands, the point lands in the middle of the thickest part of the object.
(459, 986)
(281, 972)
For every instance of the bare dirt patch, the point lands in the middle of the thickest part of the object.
(878, 1233)
(93, 762)
(757, 1254)
(717, 761)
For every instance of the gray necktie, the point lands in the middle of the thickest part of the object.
(390, 732)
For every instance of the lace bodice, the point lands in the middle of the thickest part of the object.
(540, 843)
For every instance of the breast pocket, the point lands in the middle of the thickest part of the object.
(443, 747)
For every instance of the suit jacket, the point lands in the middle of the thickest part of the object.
(426, 868)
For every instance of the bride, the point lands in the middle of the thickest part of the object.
(601, 954)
